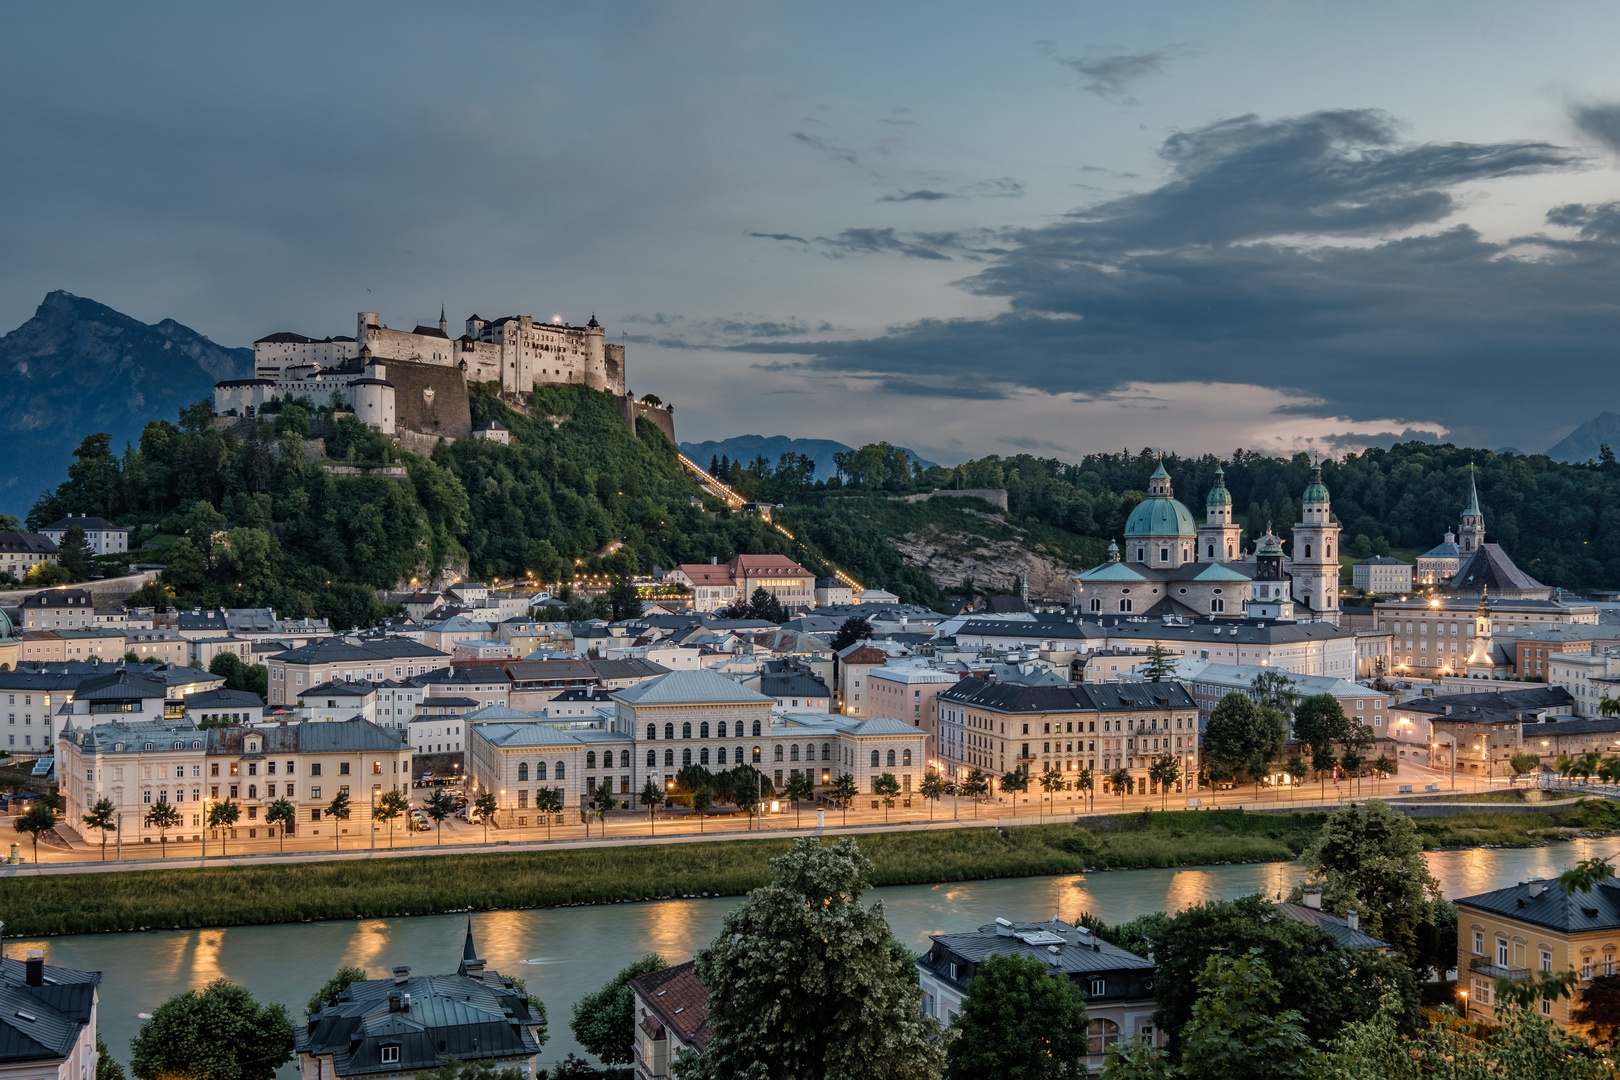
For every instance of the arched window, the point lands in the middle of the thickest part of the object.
(1209, 551)
(891, 759)
(1307, 551)
(826, 751)
(652, 732)
(669, 731)
(721, 732)
(1228, 551)
(540, 770)
(1102, 1034)
(652, 759)
(756, 729)
(560, 773)
(905, 757)
(793, 752)
(590, 759)
(777, 754)
(686, 731)
(523, 770)
(740, 755)
(703, 730)
(703, 756)
(874, 759)
(686, 756)
(1125, 604)
(723, 756)
(757, 758)
(669, 759)
(1096, 603)
(1217, 604)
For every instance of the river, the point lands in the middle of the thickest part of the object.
(564, 953)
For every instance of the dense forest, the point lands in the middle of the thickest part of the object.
(259, 514)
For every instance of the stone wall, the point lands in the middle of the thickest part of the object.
(663, 417)
(430, 399)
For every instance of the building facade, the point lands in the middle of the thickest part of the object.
(103, 536)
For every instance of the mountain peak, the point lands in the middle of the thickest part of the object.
(1583, 443)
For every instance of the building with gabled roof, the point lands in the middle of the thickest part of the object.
(103, 537)
(671, 1013)
(47, 1020)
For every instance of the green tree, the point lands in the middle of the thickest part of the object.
(623, 599)
(223, 816)
(1014, 782)
(886, 787)
(1275, 690)
(162, 817)
(604, 1022)
(456, 1069)
(1297, 770)
(439, 806)
(1052, 783)
(284, 815)
(602, 799)
(932, 789)
(1383, 765)
(766, 606)
(1243, 736)
(1599, 1009)
(45, 575)
(853, 629)
(702, 802)
(1017, 1022)
(1160, 664)
(1239, 1029)
(1320, 722)
(339, 809)
(799, 787)
(1370, 860)
(389, 807)
(652, 797)
(806, 938)
(1086, 782)
(218, 1031)
(328, 993)
(485, 807)
(75, 555)
(843, 792)
(1120, 781)
(975, 785)
(1165, 771)
(1374, 1049)
(1523, 764)
(42, 819)
(1522, 1045)
(549, 802)
(103, 816)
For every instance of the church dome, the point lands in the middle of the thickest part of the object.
(1160, 516)
(7, 628)
(1316, 491)
(1218, 495)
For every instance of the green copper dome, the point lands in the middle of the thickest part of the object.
(1160, 517)
(1316, 491)
(1218, 495)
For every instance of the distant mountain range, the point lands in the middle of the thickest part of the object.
(746, 448)
(79, 367)
(1583, 443)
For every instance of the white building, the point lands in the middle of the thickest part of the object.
(103, 536)
(1383, 575)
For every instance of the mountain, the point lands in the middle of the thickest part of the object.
(79, 367)
(1583, 443)
(745, 448)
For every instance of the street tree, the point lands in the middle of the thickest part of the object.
(1085, 781)
(702, 801)
(104, 817)
(1523, 764)
(283, 815)
(1369, 859)
(1014, 782)
(339, 809)
(932, 789)
(652, 797)
(389, 807)
(604, 1022)
(843, 792)
(1297, 770)
(1244, 736)
(806, 938)
(799, 788)
(1052, 783)
(1120, 781)
(1323, 761)
(548, 802)
(1357, 740)
(219, 1031)
(438, 807)
(163, 816)
(1383, 765)
(886, 787)
(1320, 722)
(975, 785)
(1274, 689)
(222, 816)
(1017, 1022)
(1165, 770)
(602, 799)
(42, 819)
(485, 807)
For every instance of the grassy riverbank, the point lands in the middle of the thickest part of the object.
(238, 896)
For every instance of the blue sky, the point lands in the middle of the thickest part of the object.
(966, 228)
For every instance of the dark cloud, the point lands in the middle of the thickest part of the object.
(889, 241)
(1024, 442)
(779, 236)
(703, 333)
(921, 195)
(1599, 122)
(832, 150)
(1202, 279)
(1108, 76)
(1601, 222)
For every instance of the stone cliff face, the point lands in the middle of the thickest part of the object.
(78, 367)
(949, 557)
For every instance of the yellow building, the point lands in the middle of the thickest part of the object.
(1530, 928)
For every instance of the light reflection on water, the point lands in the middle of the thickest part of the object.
(572, 951)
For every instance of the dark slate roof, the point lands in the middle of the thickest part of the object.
(119, 686)
(533, 671)
(1079, 952)
(42, 1023)
(333, 651)
(1012, 697)
(223, 699)
(1381, 560)
(1590, 912)
(357, 689)
(286, 337)
(30, 543)
(88, 524)
(632, 667)
(430, 331)
(1339, 928)
(1491, 566)
(58, 598)
(792, 684)
(679, 1000)
(1005, 605)
(1494, 707)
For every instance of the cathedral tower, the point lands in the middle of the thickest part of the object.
(1219, 539)
(1472, 533)
(1316, 552)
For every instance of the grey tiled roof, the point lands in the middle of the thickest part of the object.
(1339, 928)
(42, 1023)
(1491, 566)
(689, 688)
(1590, 912)
(1074, 697)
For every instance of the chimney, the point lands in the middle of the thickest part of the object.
(34, 968)
(1354, 919)
(1053, 955)
(393, 1003)
(714, 560)
(1004, 928)
(401, 974)
(1537, 887)
(1313, 898)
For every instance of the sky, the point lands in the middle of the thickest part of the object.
(1055, 228)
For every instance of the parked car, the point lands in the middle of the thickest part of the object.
(419, 822)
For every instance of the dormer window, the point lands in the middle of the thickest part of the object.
(389, 1054)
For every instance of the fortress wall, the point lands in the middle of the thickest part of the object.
(430, 399)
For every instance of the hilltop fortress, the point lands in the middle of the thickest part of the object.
(416, 380)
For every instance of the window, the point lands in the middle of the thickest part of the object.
(703, 755)
(1546, 961)
(793, 752)
(390, 1055)
(1101, 1034)
(343, 768)
(652, 758)
(1125, 605)
(721, 731)
(686, 731)
(826, 751)
(905, 757)
(756, 729)
(686, 757)
(652, 734)
(1501, 952)
(722, 760)
(776, 754)
(757, 757)
(874, 759)
(1479, 943)
(590, 759)
(703, 730)
(669, 759)
(1099, 987)
(523, 771)
(669, 731)
(559, 774)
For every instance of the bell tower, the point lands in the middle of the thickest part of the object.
(1219, 539)
(1481, 663)
(1316, 552)
(1472, 532)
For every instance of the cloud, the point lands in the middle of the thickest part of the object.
(721, 330)
(1109, 75)
(1598, 121)
(888, 241)
(1233, 268)
(1024, 442)
(779, 236)
(922, 195)
(837, 153)
(1004, 187)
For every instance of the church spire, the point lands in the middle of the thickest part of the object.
(1473, 494)
(1471, 534)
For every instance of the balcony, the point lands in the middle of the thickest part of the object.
(1479, 965)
